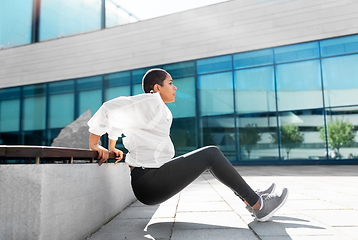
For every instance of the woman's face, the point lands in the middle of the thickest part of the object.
(167, 91)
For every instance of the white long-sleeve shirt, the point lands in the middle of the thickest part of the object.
(145, 121)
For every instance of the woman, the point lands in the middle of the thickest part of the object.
(156, 176)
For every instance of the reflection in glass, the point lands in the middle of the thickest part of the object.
(89, 94)
(299, 85)
(216, 94)
(339, 46)
(115, 15)
(299, 134)
(116, 85)
(16, 23)
(183, 135)
(115, 92)
(342, 137)
(60, 18)
(184, 105)
(183, 69)
(91, 100)
(340, 80)
(254, 131)
(296, 52)
(215, 64)
(253, 59)
(61, 110)
(9, 115)
(137, 89)
(61, 103)
(219, 131)
(255, 90)
(290, 137)
(34, 107)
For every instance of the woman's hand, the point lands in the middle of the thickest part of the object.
(118, 153)
(103, 154)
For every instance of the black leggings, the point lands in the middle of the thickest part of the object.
(155, 185)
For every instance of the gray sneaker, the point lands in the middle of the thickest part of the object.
(270, 190)
(272, 202)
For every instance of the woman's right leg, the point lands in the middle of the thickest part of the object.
(153, 186)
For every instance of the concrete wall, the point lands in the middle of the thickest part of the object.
(229, 27)
(60, 201)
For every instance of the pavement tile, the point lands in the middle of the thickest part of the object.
(335, 218)
(309, 204)
(348, 231)
(125, 229)
(214, 234)
(298, 225)
(323, 237)
(207, 220)
(138, 212)
(203, 206)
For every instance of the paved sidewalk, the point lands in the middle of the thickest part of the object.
(322, 204)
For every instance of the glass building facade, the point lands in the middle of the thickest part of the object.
(28, 21)
(295, 103)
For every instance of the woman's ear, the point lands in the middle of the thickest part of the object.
(156, 87)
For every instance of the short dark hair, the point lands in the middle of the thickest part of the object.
(152, 77)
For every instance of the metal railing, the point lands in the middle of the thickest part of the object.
(43, 154)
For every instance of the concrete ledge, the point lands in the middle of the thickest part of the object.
(61, 201)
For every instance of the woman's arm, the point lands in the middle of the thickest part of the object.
(103, 154)
(111, 147)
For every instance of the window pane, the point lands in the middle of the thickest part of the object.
(115, 92)
(219, 131)
(117, 84)
(183, 135)
(137, 75)
(61, 110)
(296, 52)
(115, 15)
(9, 138)
(216, 94)
(184, 105)
(180, 69)
(255, 90)
(34, 90)
(299, 135)
(214, 64)
(34, 138)
(299, 85)
(15, 23)
(340, 80)
(254, 136)
(89, 83)
(117, 79)
(61, 87)
(137, 89)
(10, 93)
(338, 46)
(91, 100)
(342, 135)
(9, 115)
(253, 59)
(66, 17)
(34, 113)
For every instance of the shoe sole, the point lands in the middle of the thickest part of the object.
(268, 216)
